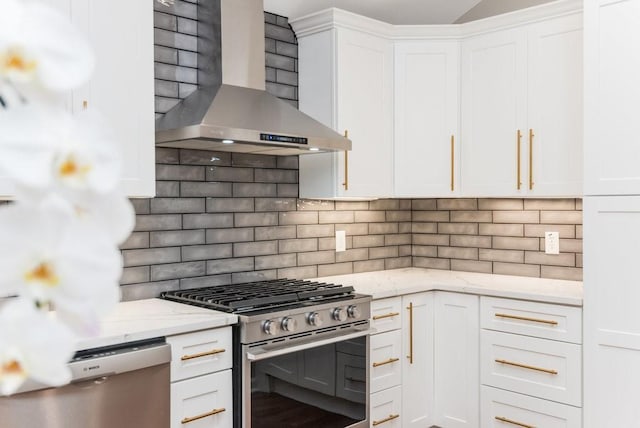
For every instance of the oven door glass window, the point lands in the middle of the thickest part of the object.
(325, 386)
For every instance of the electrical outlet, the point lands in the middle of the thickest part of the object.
(552, 242)
(341, 240)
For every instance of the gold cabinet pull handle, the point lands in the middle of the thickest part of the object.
(531, 135)
(387, 419)
(528, 367)
(85, 104)
(346, 164)
(201, 354)
(389, 315)
(518, 141)
(452, 162)
(518, 317)
(410, 356)
(389, 361)
(204, 415)
(512, 422)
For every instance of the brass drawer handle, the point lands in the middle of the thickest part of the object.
(518, 140)
(204, 415)
(512, 422)
(410, 309)
(531, 135)
(346, 164)
(452, 163)
(202, 354)
(389, 315)
(518, 317)
(525, 366)
(389, 361)
(387, 419)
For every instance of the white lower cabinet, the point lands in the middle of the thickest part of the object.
(204, 401)
(417, 366)
(456, 360)
(386, 408)
(201, 384)
(502, 409)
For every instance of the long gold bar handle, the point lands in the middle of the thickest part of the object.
(204, 415)
(528, 367)
(452, 162)
(346, 164)
(85, 104)
(389, 361)
(531, 135)
(387, 419)
(518, 317)
(389, 315)
(519, 140)
(512, 422)
(410, 356)
(202, 354)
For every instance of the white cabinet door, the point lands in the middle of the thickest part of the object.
(611, 316)
(121, 88)
(417, 367)
(612, 96)
(426, 103)
(493, 112)
(554, 126)
(346, 82)
(457, 377)
(386, 360)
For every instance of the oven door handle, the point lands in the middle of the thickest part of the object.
(262, 353)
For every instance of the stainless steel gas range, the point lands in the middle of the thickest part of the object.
(300, 352)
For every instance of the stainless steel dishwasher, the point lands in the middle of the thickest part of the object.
(124, 386)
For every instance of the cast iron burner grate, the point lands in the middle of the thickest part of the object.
(260, 295)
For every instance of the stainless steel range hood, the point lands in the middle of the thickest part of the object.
(231, 111)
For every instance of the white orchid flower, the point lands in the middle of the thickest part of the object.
(40, 49)
(49, 255)
(45, 149)
(32, 345)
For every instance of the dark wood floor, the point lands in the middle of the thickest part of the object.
(275, 411)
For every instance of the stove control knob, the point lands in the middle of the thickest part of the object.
(353, 311)
(339, 314)
(270, 327)
(289, 324)
(315, 319)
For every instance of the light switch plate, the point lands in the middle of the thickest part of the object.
(341, 241)
(552, 242)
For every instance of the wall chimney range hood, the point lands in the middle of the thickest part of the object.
(231, 111)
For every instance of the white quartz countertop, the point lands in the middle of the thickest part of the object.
(389, 283)
(146, 319)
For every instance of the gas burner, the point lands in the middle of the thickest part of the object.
(256, 296)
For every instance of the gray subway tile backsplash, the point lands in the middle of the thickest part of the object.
(223, 231)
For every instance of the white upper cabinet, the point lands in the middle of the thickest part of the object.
(346, 82)
(426, 104)
(493, 111)
(554, 132)
(612, 95)
(121, 87)
(522, 110)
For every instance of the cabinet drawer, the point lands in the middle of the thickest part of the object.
(385, 408)
(504, 409)
(539, 367)
(200, 352)
(386, 360)
(204, 401)
(544, 320)
(386, 314)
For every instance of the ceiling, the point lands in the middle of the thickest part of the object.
(404, 11)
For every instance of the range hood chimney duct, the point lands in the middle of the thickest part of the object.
(231, 111)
